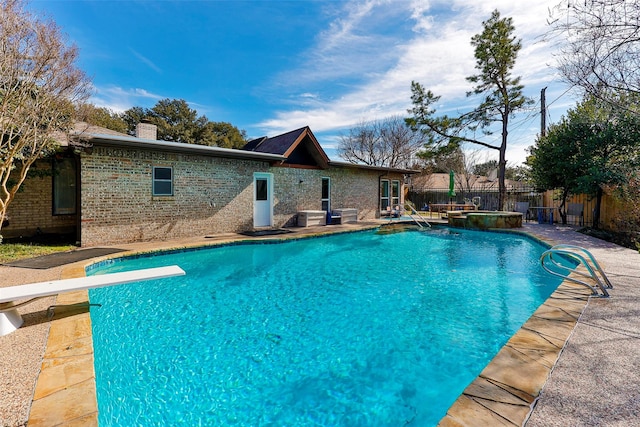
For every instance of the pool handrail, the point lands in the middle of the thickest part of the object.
(577, 253)
(10, 319)
(591, 258)
(415, 212)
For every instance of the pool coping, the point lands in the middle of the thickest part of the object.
(503, 394)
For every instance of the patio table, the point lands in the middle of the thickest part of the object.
(544, 213)
(440, 207)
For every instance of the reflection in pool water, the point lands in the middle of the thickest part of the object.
(350, 329)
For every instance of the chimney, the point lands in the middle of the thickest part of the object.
(146, 130)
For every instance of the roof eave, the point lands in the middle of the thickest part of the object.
(178, 147)
(375, 168)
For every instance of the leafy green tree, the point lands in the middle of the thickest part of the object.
(133, 116)
(516, 173)
(39, 83)
(553, 162)
(611, 152)
(223, 134)
(178, 122)
(495, 51)
(595, 147)
(485, 168)
(101, 116)
(443, 162)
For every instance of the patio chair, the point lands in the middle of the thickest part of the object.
(393, 213)
(576, 210)
(523, 208)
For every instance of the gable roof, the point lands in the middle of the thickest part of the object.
(299, 146)
(254, 144)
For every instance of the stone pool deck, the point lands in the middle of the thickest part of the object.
(575, 362)
(47, 365)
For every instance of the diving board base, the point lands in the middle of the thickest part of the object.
(10, 320)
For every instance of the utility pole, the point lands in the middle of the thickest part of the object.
(543, 113)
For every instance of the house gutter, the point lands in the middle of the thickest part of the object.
(177, 147)
(384, 169)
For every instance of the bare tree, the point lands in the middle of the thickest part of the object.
(38, 85)
(361, 145)
(400, 141)
(599, 45)
(467, 179)
(388, 142)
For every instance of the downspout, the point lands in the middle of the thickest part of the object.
(78, 200)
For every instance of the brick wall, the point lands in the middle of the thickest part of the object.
(350, 188)
(31, 211)
(211, 195)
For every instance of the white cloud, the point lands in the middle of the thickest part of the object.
(436, 53)
(118, 99)
(356, 44)
(146, 61)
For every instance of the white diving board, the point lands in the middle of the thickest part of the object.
(10, 319)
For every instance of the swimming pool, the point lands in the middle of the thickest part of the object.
(350, 329)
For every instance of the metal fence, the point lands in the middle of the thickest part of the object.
(488, 200)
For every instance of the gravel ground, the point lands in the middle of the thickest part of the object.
(21, 351)
(596, 381)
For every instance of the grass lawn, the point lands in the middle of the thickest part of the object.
(15, 251)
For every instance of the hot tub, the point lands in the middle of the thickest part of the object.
(484, 220)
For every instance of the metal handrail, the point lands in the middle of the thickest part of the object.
(601, 281)
(591, 258)
(414, 211)
(9, 306)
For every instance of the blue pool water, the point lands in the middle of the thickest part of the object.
(356, 329)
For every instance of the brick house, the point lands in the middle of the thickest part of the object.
(109, 188)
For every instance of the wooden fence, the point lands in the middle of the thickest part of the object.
(609, 209)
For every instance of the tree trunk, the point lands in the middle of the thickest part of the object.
(502, 165)
(3, 221)
(562, 208)
(596, 209)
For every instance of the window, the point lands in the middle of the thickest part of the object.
(162, 181)
(384, 194)
(389, 194)
(64, 186)
(262, 189)
(395, 193)
(326, 191)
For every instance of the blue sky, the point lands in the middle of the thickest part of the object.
(270, 66)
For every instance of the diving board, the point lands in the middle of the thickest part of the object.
(10, 319)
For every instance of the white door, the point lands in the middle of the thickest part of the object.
(262, 199)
